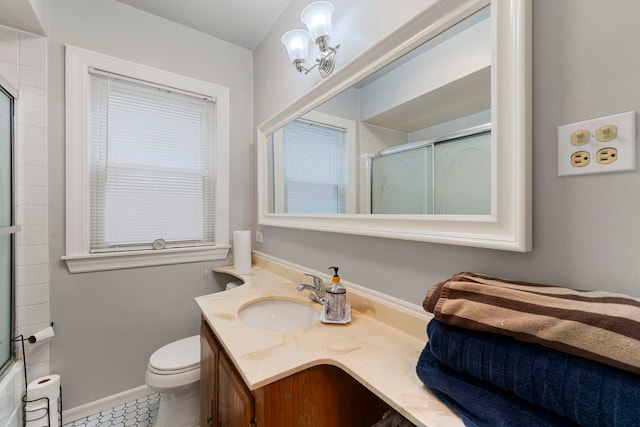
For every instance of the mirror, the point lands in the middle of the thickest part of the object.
(425, 137)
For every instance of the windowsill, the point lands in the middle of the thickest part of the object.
(147, 258)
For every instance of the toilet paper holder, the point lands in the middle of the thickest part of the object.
(39, 410)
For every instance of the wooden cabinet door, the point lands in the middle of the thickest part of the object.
(209, 350)
(321, 396)
(235, 403)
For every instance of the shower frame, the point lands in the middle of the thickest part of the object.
(6, 89)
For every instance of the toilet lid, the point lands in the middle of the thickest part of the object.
(178, 355)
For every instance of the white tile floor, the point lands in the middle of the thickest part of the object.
(138, 413)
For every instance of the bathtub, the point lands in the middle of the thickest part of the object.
(12, 388)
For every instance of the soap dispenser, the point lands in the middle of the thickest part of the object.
(335, 305)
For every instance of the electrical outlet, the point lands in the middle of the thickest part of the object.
(605, 144)
(607, 156)
(580, 159)
(259, 237)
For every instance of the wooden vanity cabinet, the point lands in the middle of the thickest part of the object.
(235, 402)
(209, 351)
(225, 400)
(316, 397)
(321, 396)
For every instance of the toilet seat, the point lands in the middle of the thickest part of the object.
(174, 372)
(178, 357)
(174, 366)
(172, 382)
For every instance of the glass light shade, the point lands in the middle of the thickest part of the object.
(317, 18)
(297, 44)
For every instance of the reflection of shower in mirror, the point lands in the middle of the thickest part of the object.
(449, 174)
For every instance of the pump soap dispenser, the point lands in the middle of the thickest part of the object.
(335, 306)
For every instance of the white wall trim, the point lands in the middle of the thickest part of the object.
(146, 258)
(82, 411)
(371, 293)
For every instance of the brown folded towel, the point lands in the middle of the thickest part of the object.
(600, 326)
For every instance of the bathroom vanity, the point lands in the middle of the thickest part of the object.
(322, 374)
(318, 396)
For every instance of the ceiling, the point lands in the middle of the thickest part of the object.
(24, 15)
(241, 22)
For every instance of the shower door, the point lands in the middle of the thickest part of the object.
(7, 228)
(444, 176)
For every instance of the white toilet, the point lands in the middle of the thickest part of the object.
(174, 372)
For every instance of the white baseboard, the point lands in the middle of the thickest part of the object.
(100, 405)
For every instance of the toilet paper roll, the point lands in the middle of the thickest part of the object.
(242, 251)
(42, 337)
(37, 415)
(36, 407)
(233, 284)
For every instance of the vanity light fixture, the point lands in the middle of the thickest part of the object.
(317, 17)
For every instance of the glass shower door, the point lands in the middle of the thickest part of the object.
(6, 228)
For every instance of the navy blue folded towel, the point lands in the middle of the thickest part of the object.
(591, 393)
(479, 403)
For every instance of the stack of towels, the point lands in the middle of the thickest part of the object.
(505, 353)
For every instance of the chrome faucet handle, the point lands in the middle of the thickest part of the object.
(316, 291)
(317, 282)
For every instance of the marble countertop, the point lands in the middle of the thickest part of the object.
(379, 348)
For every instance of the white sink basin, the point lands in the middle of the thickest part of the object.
(279, 315)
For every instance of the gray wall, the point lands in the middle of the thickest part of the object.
(108, 323)
(585, 228)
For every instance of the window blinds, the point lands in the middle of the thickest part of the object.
(314, 159)
(151, 166)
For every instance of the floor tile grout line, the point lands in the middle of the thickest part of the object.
(137, 413)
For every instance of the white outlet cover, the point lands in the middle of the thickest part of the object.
(624, 143)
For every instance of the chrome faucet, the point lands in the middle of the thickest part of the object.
(316, 292)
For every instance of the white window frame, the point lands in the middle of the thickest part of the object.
(78, 255)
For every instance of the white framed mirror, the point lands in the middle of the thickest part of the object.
(464, 92)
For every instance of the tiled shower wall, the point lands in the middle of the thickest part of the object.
(23, 63)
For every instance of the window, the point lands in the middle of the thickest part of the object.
(315, 176)
(314, 168)
(147, 165)
(151, 166)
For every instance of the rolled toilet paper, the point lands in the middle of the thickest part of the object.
(36, 407)
(233, 284)
(242, 251)
(37, 415)
(42, 337)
